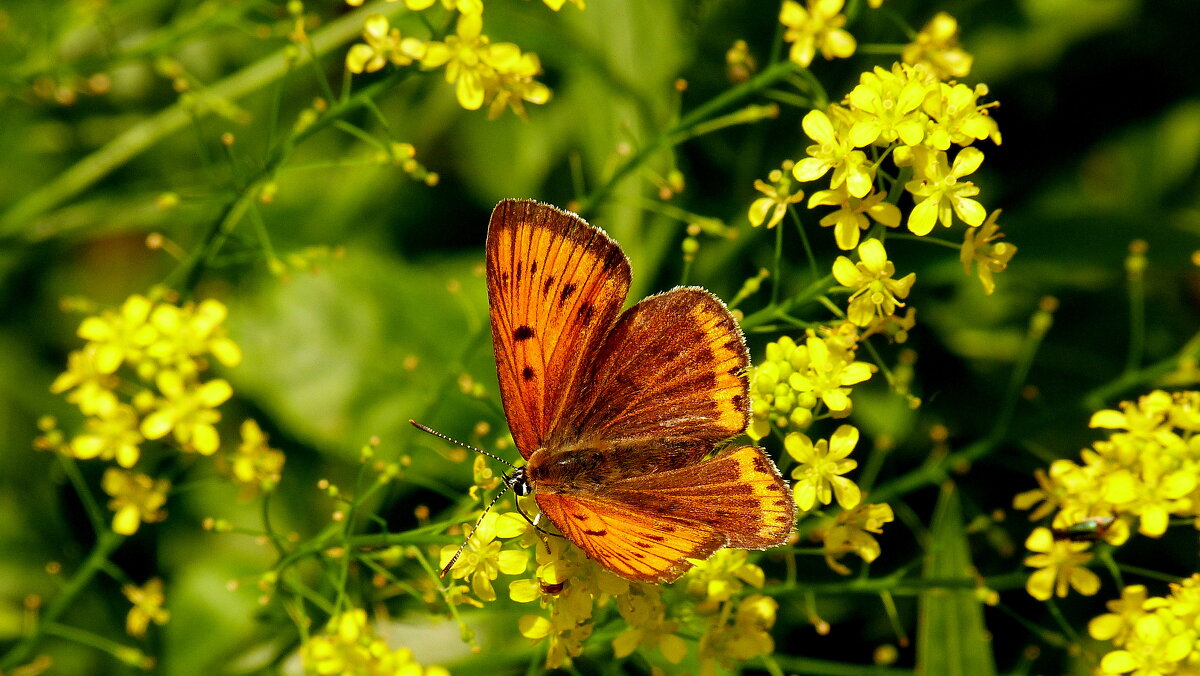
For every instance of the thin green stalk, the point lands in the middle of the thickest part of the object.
(773, 311)
(777, 272)
(1128, 380)
(1039, 325)
(1135, 267)
(106, 543)
(133, 141)
(808, 251)
(701, 114)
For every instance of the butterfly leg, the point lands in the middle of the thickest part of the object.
(542, 533)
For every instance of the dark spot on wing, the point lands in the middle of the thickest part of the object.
(518, 271)
(738, 400)
(546, 287)
(581, 517)
(567, 291)
(527, 373)
(523, 332)
(533, 267)
(656, 538)
(761, 465)
(596, 532)
(585, 312)
(734, 345)
(783, 519)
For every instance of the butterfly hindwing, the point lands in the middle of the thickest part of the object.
(646, 527)
(555, 286)
(631, 543)
(673, 370)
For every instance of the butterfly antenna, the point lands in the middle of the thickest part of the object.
(439, 435)
(475, 527)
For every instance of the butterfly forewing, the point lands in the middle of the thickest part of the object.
(673, 369)
(555, 285)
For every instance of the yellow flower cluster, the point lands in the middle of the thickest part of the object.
(926, 123)
(569, 588)
(1145, 472)
(142, 377)
(350, 646)
(1152, 635)
(798, 383)
(497, 74)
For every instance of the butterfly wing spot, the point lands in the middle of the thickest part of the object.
(533, 268)
(596, 533)
(527, 373)
(523, 332)
(567, 291)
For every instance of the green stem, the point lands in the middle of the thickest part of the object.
(773, 311)
(1100, 396)
(127, 145)
(683, 127)
(106, 543)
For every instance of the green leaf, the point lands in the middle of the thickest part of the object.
(952, 639)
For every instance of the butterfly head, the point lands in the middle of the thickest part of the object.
(518, 482)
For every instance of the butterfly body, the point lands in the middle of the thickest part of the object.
(621, 415)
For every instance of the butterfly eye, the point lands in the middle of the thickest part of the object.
(518, 482)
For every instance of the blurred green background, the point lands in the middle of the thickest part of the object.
(1100, 115)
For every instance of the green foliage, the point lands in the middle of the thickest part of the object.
(222, 150)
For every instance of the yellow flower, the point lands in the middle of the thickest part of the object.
(829, 375)
(852, 532)
(779, 194)
(462, 55)
(643, 610)
(350, 646)
(483, 72)
(136, 498)
(936, 46)
(851, 216)
(254, 465)
(188, 409)
(722, 577)
(114, 436)
(748, 636)
(833, 151)
(482, 559)
(889, 103)
(512, 83)
(956, 116)
(383, 45)
(817, 27)
(147, 607)
(120, 336)
(91, 389)
(982, 245)
(558, 4)
(1117, 625)
(875, 292)
(1060, 565)
(940, 184)
(821, 466)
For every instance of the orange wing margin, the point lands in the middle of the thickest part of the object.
(672, 370)
(555, 286)
(646, 528)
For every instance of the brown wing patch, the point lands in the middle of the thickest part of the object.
(634, 545)
(555, 286)
(672, 369)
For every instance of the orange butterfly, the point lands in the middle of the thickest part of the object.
(617, 413)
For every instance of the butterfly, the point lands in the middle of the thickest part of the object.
(620, 416)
